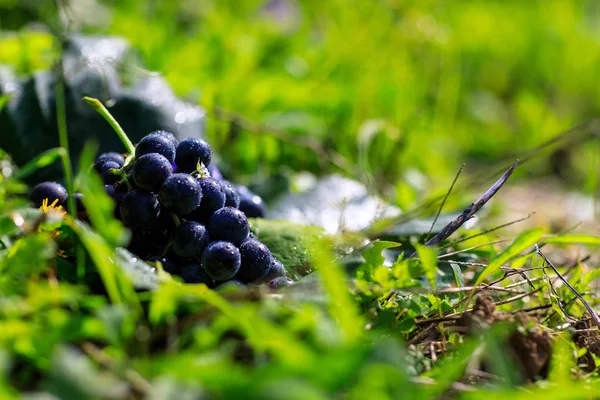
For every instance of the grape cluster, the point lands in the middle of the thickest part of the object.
(182, 213)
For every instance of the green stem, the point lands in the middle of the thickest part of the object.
(124, 176)
(63, 138)
(98, 106)
(80, 262)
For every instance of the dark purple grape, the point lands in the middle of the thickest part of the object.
(167, 135)
(111, 156)
(228, 224)
(151, 170)
(214, 172)
(190, 152)
(232, 199)
(193, 273)
(213, 198)
(145, 242)
(181, 193)
(48, 190)
(256, 261)
(189, 240)
(117, 196)
(79, 206)
(156, 143)
(276, 269)
(221, 260)
(140, 209)
(104, 168)
(250, 203)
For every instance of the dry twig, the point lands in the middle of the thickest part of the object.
(587, 306)
(137, 381)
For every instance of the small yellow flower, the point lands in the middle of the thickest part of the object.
(52, 207)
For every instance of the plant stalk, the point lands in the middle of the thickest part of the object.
(99, 107)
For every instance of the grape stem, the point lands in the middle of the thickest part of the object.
(123, 175)
(98, 106)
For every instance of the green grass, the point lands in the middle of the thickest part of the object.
(396, 94)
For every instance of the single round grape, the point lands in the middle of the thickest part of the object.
(256, 261)
(189, 240)
(213, 198)
(232, 198)
(250, 203)
(280, 282)
(145, 242)
(167, 135)
(214, 172)
(221, 260)
(140, 209)
(181, 193)
(276, 269)
(228, 224)
(156, 143)
(190, 151)
(193, 273)
(117, 195)
(104, 168)
(151, 170)
(112, 156)
(48, 190)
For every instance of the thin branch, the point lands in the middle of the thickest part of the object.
(587, 306)
(559, 300)
(456, 386)
(518, 297)
(527, 281)
(456, 315)
(474, 247)
(137, 381)
(537, 308)
(437, 215)
(493, 229)
(481, 288)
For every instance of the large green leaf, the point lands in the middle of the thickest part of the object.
(290, 243)
(140, 102)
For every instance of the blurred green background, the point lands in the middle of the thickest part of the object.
(395, 93)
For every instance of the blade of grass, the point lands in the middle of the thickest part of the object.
(573, 239)
(63, 137)
(46, 158)
(437, 215)
(341, 307)
(118, 286)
